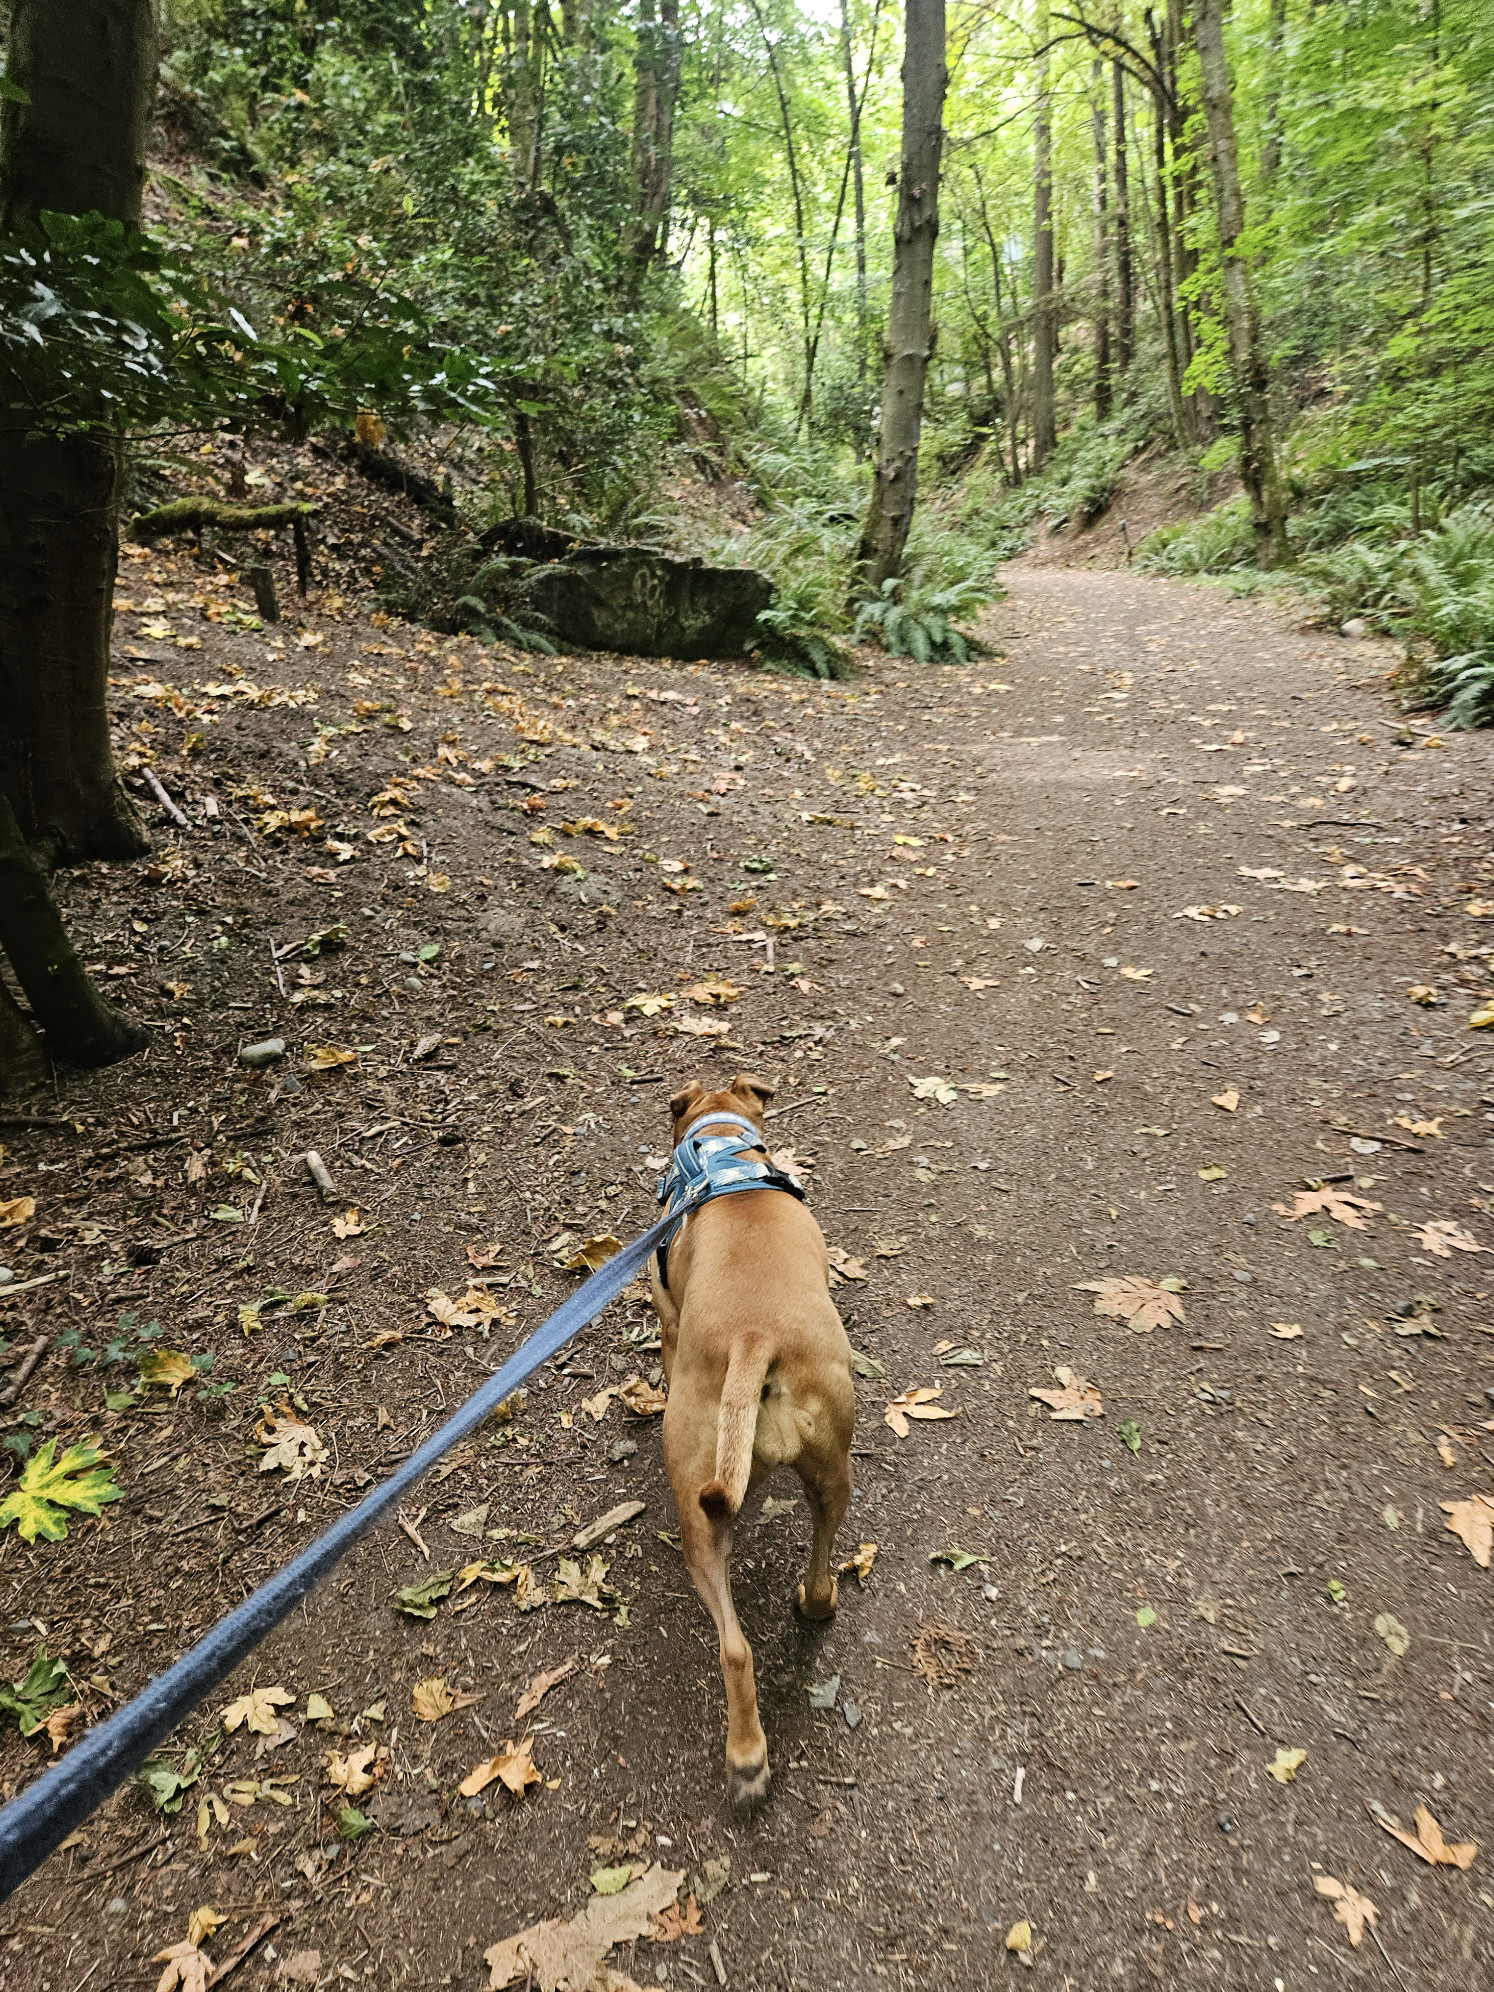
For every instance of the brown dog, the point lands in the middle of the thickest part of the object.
(759, 1376)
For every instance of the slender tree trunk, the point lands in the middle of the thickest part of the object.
(1102, 250)
(910, 329)
(1167, 302)
(1044, 327)
(656, 89)
(76, 147)
(854, 101)
(1259, 471)
(1125, 283)
(1271, 138)
(801, 240)
(523, 96)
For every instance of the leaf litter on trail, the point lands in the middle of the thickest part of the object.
(432, 1699)
(942, 1653)
(1350, 1908)
(1442, 1237)
(512, 1766)
(554, 1953)
(1339, 1205)
(1075, 1399)
(1141, 1303)
(1427, 1842)
(541, 1685)
(256, 1710)
(358, 1770)
(861, 1563)
(1472, 1522)
(42, 1690)
(291, 1443)
(49, 1487)
(1286, 1764)
(917, 1404)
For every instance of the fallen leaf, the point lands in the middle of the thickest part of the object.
(933, 1088)
(49, 1486)
(843, 1266)
(1286, 1331)
(16, 1210)
(186, 1966)
(324, 1057)
(541, 1685)
(1137, 974)
(1350, 1908)
(348, 1226)
(61, 1723)
(166, 1366)
(712, 991)
(204, 1923)
(919, 1301)
(256, 1710)
(1286, 1764)
(513, 1767)
(291, 1443)
(649, 1006)
(915, 1404)
(1442, 1237)
(318, 1708)
(593, 1253)
(1427, 1841)
(1019, 1938)
(671, 1924)
(359, 1771)
(1471, 1521)
(613, 1880)
(433, 1699)
(1212, 1173)
(1339, 1205)
(1142, 1304)
(1229, 1099)
(1075, 1400)
(572, 1953)
(642, 1397)
(1393, 1633)
(1425, 994)
(861, 1562)
(420, 1600)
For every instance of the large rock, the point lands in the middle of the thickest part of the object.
(629, 598)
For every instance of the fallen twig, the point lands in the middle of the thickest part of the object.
(242, 1949)
(23, 1375)
(154, 784)
(145, 1846)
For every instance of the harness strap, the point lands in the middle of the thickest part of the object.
(706, 1166)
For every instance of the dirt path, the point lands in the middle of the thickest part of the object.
(1158, 852)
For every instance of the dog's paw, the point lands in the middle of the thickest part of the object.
(748, 1786)
(814, 1612)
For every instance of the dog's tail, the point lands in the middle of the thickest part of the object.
(736, 1428)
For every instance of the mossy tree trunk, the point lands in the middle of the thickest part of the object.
(910, 327)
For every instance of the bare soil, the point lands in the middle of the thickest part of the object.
(1000, 877)
(1157, 488)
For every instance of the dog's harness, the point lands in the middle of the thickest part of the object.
(706, 1166)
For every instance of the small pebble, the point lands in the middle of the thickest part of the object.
(1245, 1279)
(896, 989)
(1356, 626)
(852, 1713)
(1073, 1659)
(269, 1052)
(6, 1276)
(118, 1907)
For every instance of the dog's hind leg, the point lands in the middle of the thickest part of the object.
(827, 1484)
(707, 1547)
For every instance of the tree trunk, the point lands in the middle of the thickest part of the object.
(1259, 471)
(1125, 284)
(1271, 136)
(1044, 327)
(656, 70)
(23, 1063)
(858, 181)
(910, 329)
(1102, 251)
(80, 1026)
(77, 147)
(523, 97)
(801, 239)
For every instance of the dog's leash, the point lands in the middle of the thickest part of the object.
(32, 1825)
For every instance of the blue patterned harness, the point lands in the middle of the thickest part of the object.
(714, 1165)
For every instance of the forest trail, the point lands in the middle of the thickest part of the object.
(1100, 948)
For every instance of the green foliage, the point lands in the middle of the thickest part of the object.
(1219, 542)
(32, 1699)
(166, 1785)
(919, 622)
(353, 1824)
(46, 1491)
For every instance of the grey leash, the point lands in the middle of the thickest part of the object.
(32, 1825)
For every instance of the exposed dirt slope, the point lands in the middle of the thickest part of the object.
(1160, 850)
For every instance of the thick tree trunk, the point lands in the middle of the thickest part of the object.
(1259, 471)
(910, 328)
(1044, 322)
(1125, 285)
(76, 147)
(1102, 252)
(656, 89)
(81, 1028)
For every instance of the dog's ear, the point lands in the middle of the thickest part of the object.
(686, 1097)
(757, 1092)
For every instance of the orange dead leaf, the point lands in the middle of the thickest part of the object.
(1472, 1522)
(915, 1404)
(1075, 1400)
(1427, 1842)
(1351, 1908)
(1343, 1209)
(513, 1767)
(1141, 1304)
